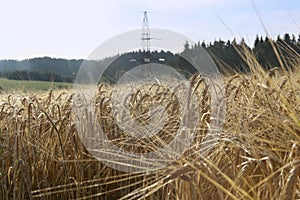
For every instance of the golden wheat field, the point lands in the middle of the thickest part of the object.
(257, 155)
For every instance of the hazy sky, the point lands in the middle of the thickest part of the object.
(73, 28)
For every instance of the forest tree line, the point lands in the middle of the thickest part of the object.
(225, 54)
(228, 54)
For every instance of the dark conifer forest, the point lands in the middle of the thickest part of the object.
(226, 55)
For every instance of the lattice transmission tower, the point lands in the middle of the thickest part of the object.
(145, 38)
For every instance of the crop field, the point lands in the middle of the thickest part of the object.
(28, 86)
(256, 156)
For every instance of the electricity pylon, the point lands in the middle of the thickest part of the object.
(145, 38)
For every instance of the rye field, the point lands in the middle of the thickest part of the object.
(256, 156)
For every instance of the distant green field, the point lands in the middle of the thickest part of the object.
(27, 86)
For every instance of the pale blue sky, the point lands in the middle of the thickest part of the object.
(73, 28)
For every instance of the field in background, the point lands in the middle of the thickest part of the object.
(7, 85)
(257, 155)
